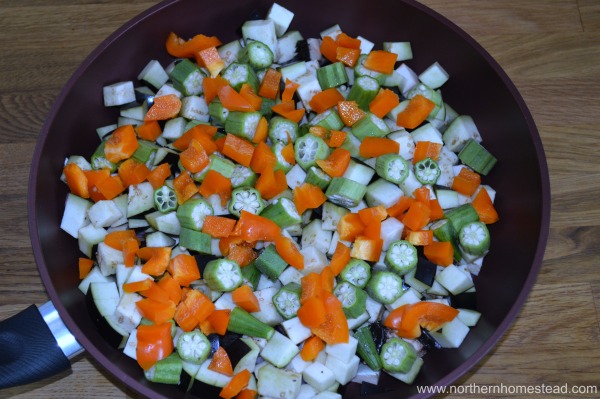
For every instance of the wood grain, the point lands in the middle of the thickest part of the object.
(550, 49)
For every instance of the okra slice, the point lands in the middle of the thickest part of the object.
(223, 275)
(392, 167)
(317, 177)
(195, 240)
(332, 75)
(242, 124)
(474, 238)
(166, 371)
(309, 148)
(257, 54)
(401, 257)
(370, 126)
(217, 112)
(187, 77)
(287, 300)
(345, 192)
(165, 199)
(397, 355)
(270, 263)
(385, 287)
(360, 70)
(237, 74)
(357, 272)
(363, 91)
(366, 348)
(193, 346)
(329, 119)
(145, 152)
(98, 159)
(242, 176)
(242, 322)
(353, 299)
(461, 215)
(282, 163)
(427, 171)
(283, 212)
(282, 129)
(477, 157)
(191, 213)
(251, 275)
(444, 231)
(246, 199)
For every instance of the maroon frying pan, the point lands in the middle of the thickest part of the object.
(477, 87)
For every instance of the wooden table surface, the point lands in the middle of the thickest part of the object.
(549, 48)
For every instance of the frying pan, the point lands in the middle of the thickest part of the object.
(477, 87)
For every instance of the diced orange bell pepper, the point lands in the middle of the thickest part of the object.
(154, 343)
(289, 252)
(121, 144)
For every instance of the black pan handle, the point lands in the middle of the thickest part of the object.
(30, 346)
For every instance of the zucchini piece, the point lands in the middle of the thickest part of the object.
(401, 257)
(191, 213)
(332, 75)
(246, 199)
(278, 383)
(359, 172)
(257, 54)
(345, 192)
(165, 199)
(242, 124)
(308, 149)
(154, 74)
(237, 74)
(384, 287)
(474, 238)
(331, 215)
(223, 275)
(363, 91)
(475, 156)
(434, 76)
(282, 129)
(166, 371)
(187, 77)
(353, 299)
(383, 192)
(193, 346)
(392, 167)
(397, 355)
(459, 132)
(287, 300)
(242, 176)
(244, 323)
(357, 272)
(283, 212)
(366, 348)
(270, 263)
(427, 171)
(279, 350)
(119, 93)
